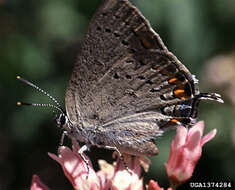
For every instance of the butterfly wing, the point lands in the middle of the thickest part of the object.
(123, 73)
(123, 67)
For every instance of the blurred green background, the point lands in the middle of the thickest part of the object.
(39, 40)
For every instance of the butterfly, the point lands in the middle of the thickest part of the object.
(126, 87)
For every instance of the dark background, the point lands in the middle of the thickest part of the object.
(40, 39)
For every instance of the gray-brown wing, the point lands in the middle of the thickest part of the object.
(123, 68)
(134, 134)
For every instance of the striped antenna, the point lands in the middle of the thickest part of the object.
(40, 90)
(40, 105)
(58, 107)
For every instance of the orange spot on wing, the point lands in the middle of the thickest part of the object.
(180, 93)
(174, 121)
(172, 80)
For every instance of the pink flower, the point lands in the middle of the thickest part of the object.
(154, 186)
(186, 149)
(111, 176)
(37, 184)
(127, 180)
(75, 169)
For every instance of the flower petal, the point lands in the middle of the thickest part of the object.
(153, 185)
(37, 184)
(199, 126)
(184, 156)
(105, 174)
(193, 141)
(180, 138)
(127, 180)
(208, 137)
(75, 170)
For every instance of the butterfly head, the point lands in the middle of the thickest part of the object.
(62, 121)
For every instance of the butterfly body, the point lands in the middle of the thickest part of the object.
(124, 139)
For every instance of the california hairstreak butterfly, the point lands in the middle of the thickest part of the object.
(127, 88)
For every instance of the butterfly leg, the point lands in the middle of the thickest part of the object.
(120, 155)
(62, 137)
(81, 151)
(62, 141)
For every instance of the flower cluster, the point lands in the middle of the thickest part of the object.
(186, 149)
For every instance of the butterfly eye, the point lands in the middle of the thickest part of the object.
(61, 120)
